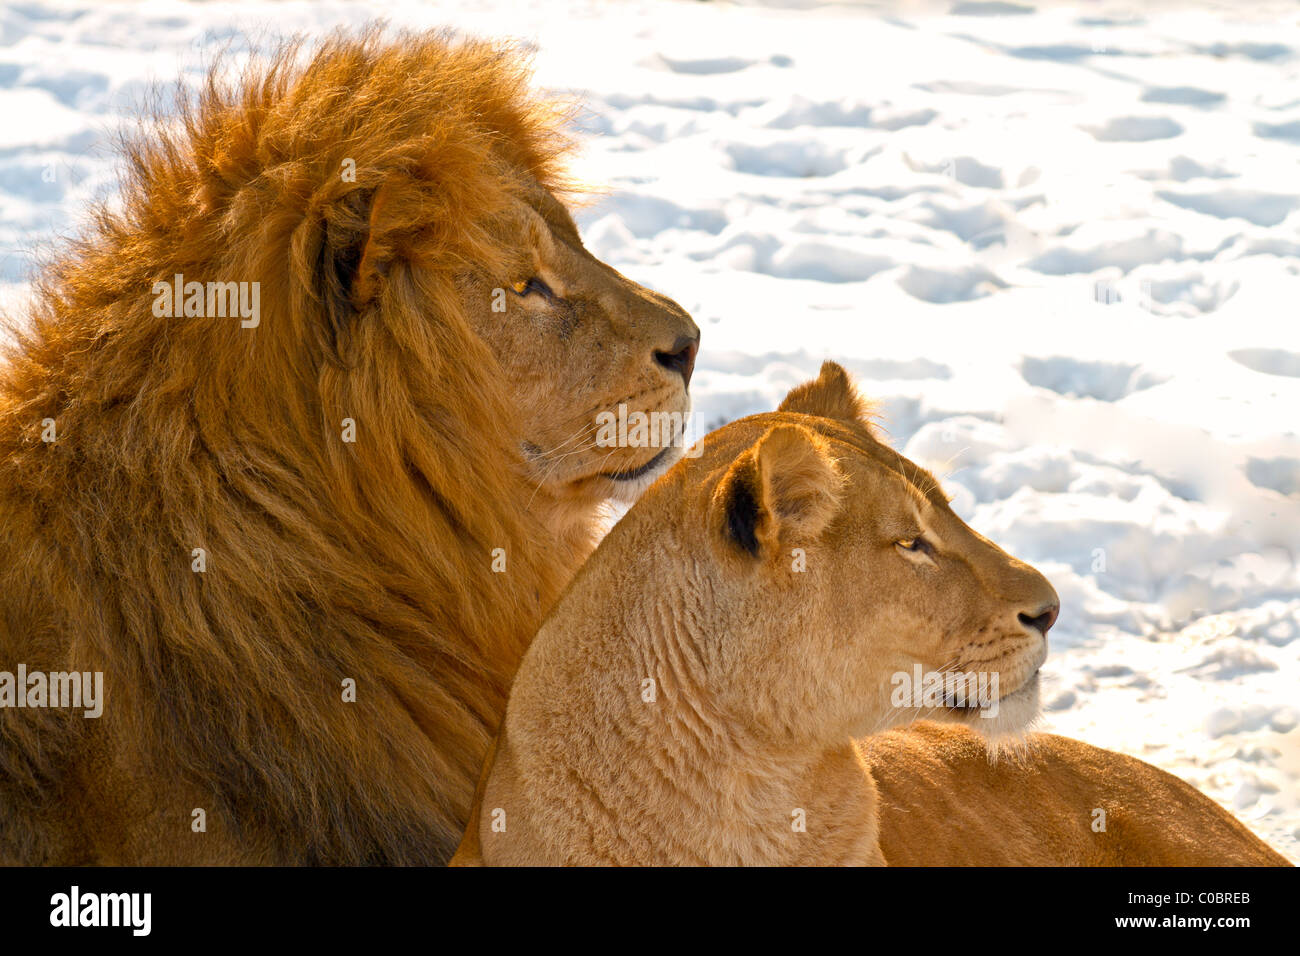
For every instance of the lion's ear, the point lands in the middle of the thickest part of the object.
(355, 254)
(782, 491)
(831, 395)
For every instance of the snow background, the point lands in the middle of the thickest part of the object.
(1061, 247)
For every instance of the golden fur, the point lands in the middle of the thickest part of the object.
(326, 560)
(694, 696)
(1037, 806)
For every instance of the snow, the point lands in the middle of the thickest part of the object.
(1061, 246)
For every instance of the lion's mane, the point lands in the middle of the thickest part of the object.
(326, 560)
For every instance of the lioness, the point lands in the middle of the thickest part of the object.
(697, 695)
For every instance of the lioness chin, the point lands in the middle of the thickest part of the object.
(707, 690)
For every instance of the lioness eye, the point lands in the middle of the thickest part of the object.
(533, 285)
(918, 544)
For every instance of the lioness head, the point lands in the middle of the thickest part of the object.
(831, 589)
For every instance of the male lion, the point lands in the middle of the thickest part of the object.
(696, 695)
(297, 448)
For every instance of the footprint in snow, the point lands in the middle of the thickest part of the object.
(1268, 361)
(1277, 474)
(1076, 378)
(1135, 129)
(1183, 96)
(708, 66)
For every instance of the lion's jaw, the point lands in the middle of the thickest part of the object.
(1005, 718)
(627, 485)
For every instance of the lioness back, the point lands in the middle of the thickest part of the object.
(1057, 802)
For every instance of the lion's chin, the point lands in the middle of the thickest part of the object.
(627, 486)
(1016, 714)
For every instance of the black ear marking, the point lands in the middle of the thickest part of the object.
(743, 512)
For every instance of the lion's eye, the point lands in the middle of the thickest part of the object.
(917, 544)
(533, 285)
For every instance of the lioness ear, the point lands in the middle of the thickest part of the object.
(831, 395)
(783, 490)
(354, 254)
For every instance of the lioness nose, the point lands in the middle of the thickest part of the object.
(1043, 620)
(681, 357)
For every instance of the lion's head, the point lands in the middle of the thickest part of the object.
(326, 381)
(577, 341)
(417, 185)
(839, 575)
(754, 613)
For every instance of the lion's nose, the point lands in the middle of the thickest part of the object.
(681, 357)
(1043, 620)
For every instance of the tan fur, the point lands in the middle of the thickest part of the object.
(326, 560)
(772, 686)
(944, 802)
(764, 675)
